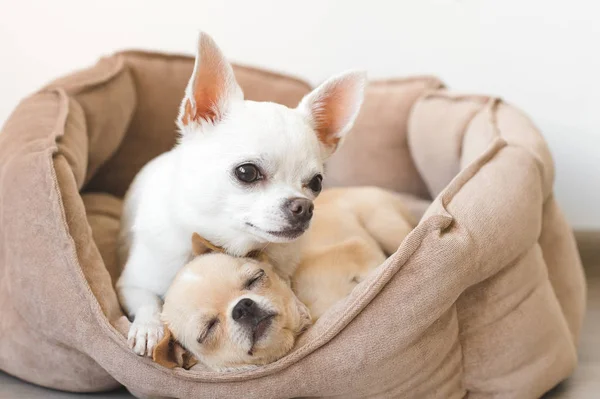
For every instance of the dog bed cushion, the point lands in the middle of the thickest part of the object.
(485, 297)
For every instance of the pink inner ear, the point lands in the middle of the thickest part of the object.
(209, 87)
(332, 110)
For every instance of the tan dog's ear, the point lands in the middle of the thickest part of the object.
(304, 313)
(170, 354)
(201, 246)
(259, 255)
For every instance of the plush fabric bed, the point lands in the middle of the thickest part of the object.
(484, 298)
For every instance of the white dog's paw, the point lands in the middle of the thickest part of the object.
(144, 334)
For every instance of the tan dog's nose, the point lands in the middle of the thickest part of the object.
(244, 309)
(250, 315)
(300, 210)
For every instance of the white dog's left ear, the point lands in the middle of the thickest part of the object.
(332, 107)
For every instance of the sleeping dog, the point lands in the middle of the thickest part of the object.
(233, 313)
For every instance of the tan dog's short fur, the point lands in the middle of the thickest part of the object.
(353, 231)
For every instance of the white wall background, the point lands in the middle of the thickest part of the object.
(541, 55)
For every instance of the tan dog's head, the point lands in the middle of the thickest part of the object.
(232, 313)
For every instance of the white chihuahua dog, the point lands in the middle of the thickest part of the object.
(243, 175)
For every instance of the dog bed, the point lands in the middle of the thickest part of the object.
(484, 298)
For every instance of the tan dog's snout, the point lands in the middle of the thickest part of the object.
(253, 318)
(248, 313)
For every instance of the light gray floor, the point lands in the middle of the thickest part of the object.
(13, 388)
(583, 384)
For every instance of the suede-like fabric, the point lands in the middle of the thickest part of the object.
(484, 298)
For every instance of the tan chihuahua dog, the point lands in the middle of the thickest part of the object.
(230, 313)
(234, 313)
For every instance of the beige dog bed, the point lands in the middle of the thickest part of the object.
(485, 297)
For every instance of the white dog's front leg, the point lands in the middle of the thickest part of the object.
(147, 329)
(144, 281)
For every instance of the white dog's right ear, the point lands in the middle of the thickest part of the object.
(211, 89)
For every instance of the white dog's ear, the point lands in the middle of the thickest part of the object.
(212, 87)
(332, 107)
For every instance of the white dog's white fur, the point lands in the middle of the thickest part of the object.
(193, 187)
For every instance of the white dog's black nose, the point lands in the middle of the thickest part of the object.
(245, 309)
(299, 210)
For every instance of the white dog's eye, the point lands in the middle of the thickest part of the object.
(248, 173)
(255, 279)
(316, 183)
